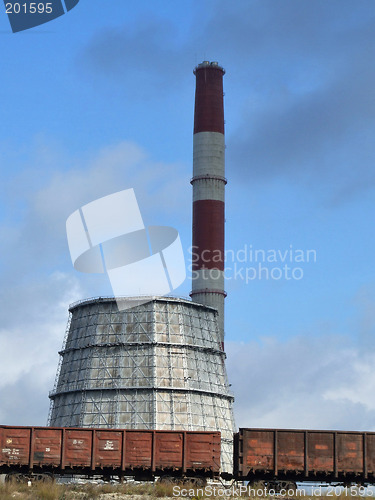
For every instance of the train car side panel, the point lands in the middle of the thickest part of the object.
(290, 449)
(107, 448)
(78, 447)
(138, 449)
(370, 454)
(202, 451)
(15, 446)
(349, 452)
(257, 449)
(168, 450)
(46, 447)
(320, 451)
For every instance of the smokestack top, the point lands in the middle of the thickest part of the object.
(209, 107)
(208, 64)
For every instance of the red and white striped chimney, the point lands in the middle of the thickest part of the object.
(208, 190)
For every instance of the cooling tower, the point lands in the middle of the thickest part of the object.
(161, 364)
(158, 365)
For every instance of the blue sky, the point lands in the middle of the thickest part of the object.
(102, 99)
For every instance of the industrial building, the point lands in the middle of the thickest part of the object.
(160, 365)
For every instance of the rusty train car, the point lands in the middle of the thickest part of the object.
(290, 456)
(278, 457)
(143, 454)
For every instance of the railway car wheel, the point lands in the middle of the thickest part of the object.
(199, 482)
(279, 486)
(16, 477)
(292, 486)
(44, 477)
(259, 484)
(166, 480)
(193, 481)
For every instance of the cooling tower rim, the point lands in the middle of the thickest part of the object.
(152, 298)
(227, 396)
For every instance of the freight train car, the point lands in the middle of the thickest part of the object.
(278, 457)
(143, 454)
(288, 456)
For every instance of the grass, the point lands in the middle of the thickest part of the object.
(55, 491)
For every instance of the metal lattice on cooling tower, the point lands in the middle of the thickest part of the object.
(158, 365)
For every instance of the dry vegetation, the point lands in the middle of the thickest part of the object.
(54, 491)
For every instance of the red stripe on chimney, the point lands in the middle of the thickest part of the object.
(209, 108)
(208, 235)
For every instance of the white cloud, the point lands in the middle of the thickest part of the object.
(319, 383)
(32, 332)
(38, 281)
